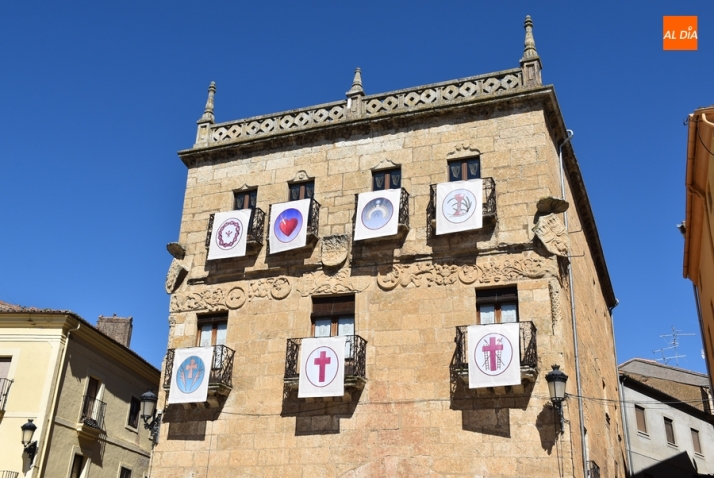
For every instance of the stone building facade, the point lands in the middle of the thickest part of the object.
(407, 410)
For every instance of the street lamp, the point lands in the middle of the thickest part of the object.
(28, 429)
(148, 412)
(556, 386)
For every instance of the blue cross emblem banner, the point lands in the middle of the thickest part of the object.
(190, 375)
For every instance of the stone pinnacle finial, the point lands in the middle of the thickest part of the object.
(356, 84)
(529, 50)
(208, 112)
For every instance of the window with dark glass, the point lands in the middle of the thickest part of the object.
(387, 179)
(245, 199)
(334, 316)
(695, 441)
(77, 463)
(641, 423)
(134, 406)
(669, 431)
(303, 190)
(464, 169)
(124, 472)
(497, 306)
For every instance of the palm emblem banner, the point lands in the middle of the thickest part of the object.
(459, 206)
(190, 377)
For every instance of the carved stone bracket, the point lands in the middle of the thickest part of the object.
(175, 276)
(334, 249)
(486, 272)
(551, 232)
(316, 283)
(232, 297)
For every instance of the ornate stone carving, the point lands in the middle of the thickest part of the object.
(176, 249)
(433, 275)
(464, 149)
(232, 297)
(385, 164)
(553, 235)
(552, 204)
(316, 283)
(554, 292)
(334, 249)
(175, 276)
(300, 176)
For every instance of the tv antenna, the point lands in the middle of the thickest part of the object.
(673, 343)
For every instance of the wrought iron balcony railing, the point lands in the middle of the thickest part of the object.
(221, 376)
(93, 412)
(9, 474)
(593, 470)
(403, 211)
(489, 205)
(527, 347)
(256, 228)
(5, 385)
(355, 361)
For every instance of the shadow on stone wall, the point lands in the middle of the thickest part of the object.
(318, 416)
(189, 431)
(677, 465)
(547, 426)
(188, 424)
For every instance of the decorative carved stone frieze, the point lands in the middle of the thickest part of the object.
(551, 232)
(334, 249)
(232, 297)
(316, 283)
(486, 272)
(175, 276)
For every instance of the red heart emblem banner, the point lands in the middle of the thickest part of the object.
(288, 226)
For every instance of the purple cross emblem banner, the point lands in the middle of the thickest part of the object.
(228, 237)
(190, 375)
(322, 367)
(377, 214)
(288, 225)
(494, 355)
(459, 206)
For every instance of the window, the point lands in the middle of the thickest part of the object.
(245, 199)
(92, 406)
(464, 169)
(212, 330)
(497, 306)
(302, 190)
(387, 179)
(669, 430)
(334, 316)
(695, 441)
(5, 367)
(124, 472)
(134, 407)
(641, 423)
(76, 470)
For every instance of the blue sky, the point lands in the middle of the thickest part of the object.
(97, 97)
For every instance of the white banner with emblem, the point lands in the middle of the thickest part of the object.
(190, 375)
(377, 214)
(322, 367)
(228, 238)
(494, 355)
(459, 206)
(288, 225)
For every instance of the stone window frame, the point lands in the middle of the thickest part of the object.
(387, 178)
(125, 471)
(215, 319)
(301, 190)
(248, 199)
(464, 173)
(498, 297)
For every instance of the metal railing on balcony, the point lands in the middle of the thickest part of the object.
(403, 220)
(355, 358)
(593, 470)
(5, 384)
(9, 474)
(526, 344)
(489, 204)
(221, 369)
(93, 412)
(256, 228)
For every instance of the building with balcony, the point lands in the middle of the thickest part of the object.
(397, 225)
(80, 385)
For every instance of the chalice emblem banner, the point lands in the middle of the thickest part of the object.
(494, 355)
(288, 225)
(377, 214)
(322, 367)
(228, 237)
(190, 375)
(459, 206)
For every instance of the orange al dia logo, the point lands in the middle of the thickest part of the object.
(679, 33)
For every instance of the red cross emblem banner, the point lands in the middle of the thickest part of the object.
(459, 206)
(322, 367)
(228, 237)
(190, 375)
(377, 214)
(288, 225)
(494, 355)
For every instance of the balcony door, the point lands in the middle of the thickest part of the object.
(91, 401)
(213, 330)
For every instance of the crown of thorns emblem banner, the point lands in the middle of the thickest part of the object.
(189, 379)
(228, 238)
(377, 214)
(494, 355)
(459, 206)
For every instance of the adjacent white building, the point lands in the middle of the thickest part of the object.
(668, 420)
